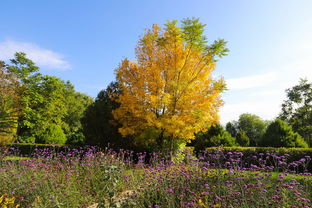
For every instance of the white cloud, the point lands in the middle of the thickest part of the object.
(42, 57)
(251, 81)
(265, 108)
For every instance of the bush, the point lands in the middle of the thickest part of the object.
(77, 138)
(52, 135)
(215, 136)
(27, 139)
(280, 134)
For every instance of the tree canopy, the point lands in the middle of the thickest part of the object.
(169, 89)
(252, 125)
(297, 109)
(47, 105)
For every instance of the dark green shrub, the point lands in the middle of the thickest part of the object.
(214, 137)
(76, 139)
(280, 134)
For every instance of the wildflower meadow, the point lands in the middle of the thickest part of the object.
(90, 177)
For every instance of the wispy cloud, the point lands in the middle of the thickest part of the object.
(251, 81)
(41, 56)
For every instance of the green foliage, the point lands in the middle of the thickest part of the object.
(52, 135)
(76, 104)
(47, 102)
(193, 34)
(242, 138)
(251, 124)
(98, 124)
(297, 109)
(231, 127)
(43, 106)
(215, 136)
(279, 134)
(28, 139)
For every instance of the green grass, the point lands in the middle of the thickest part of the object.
(16, 158)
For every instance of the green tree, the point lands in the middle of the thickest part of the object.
(215, 136)
(76, 104)
(47, 108)
(99, 125)
(280, 134)
(253, 126)
(242, 138)
(231, 127)
(297, 109)
(47, 104)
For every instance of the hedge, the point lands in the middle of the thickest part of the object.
(26, 149)
(250, 155)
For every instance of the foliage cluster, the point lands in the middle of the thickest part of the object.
(40, 108)
(8, 202)
(251, 130)
(297, 109)
(215, 136)
(279, 134)
(248, 129)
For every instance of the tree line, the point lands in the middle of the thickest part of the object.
(39, 108)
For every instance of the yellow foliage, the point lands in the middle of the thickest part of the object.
(169, 86)
(7, 202)
(9, 105)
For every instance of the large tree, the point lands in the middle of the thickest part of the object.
(76, 104)
(50, 108)
(169, 89)
(9, 104)
(297, 109)
(251, 124)
(98, 125)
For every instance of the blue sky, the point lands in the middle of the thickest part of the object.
(270, 42)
